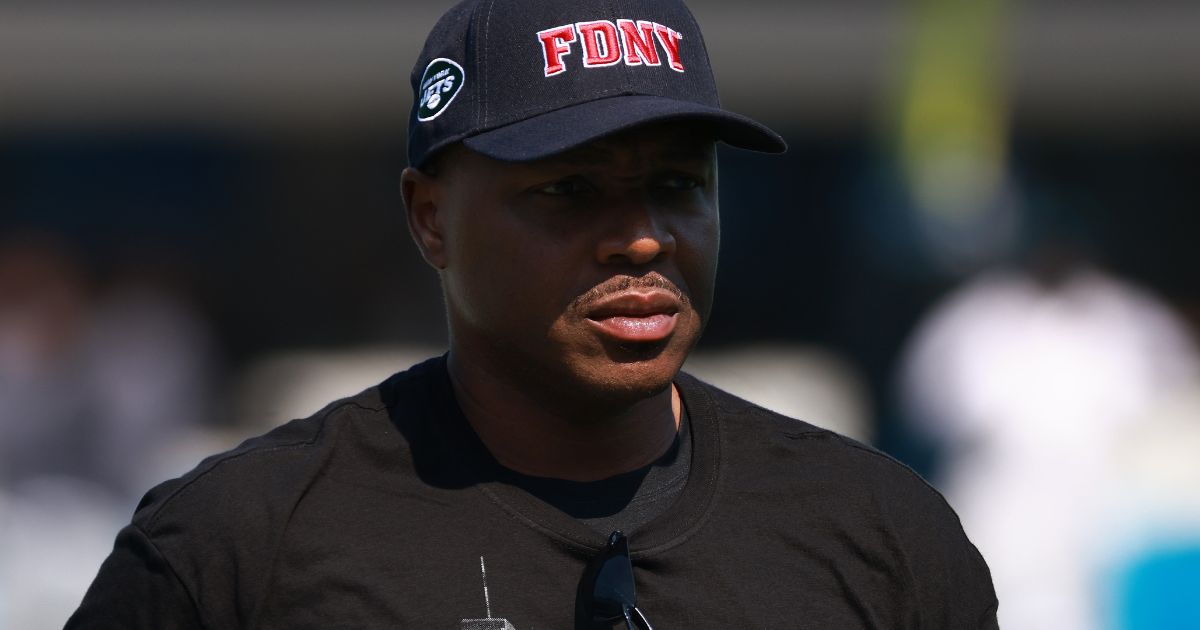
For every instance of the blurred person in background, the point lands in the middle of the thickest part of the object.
(98, 386)
(97, 378)
(1035, 383)
(563, 183)
(45, 305)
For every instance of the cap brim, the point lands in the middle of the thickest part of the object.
(564, 129)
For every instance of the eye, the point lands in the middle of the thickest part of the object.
(563, 187)
(679, 181)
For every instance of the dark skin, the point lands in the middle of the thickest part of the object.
(575, 287)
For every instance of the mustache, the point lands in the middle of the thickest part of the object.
(618, 284)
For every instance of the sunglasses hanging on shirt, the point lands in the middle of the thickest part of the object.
(607, 593)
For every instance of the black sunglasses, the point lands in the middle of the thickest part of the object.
(607, 593)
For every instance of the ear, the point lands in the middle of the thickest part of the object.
(421, 201)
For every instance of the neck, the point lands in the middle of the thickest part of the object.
(536, 436)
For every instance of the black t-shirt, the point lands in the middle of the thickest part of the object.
(623, 502)
(385, 511)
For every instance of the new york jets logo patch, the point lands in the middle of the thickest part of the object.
(441, 82)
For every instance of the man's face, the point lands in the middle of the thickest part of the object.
(587, 276)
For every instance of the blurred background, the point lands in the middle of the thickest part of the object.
(979, 256)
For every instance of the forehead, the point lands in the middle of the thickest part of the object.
(632, 149)
(667, 141)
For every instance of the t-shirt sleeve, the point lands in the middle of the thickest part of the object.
(136, 589)
(951, 580)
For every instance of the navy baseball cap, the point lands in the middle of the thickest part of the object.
(519, 80)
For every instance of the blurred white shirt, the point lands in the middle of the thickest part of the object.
(1030, 388)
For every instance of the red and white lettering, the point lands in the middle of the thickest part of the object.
(637, 38)
(605, 43)
(556, 43)
(600, 44)
(669, 39)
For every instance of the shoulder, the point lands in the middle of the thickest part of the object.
(854, 484)
(827, 484)
(254, 485)
(747, 425)
(263, 467)
(220, 528)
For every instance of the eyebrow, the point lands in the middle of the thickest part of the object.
(684, 151)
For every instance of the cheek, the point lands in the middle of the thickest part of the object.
(503, 279)
(697, 259)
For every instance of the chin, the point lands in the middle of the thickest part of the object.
(629, 373)
(614, 374)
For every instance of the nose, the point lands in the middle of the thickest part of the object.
(636, 235)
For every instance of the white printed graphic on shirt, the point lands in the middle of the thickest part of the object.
(491, 623)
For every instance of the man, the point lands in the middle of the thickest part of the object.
(554, 469)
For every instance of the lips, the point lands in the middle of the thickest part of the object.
(637, 316)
